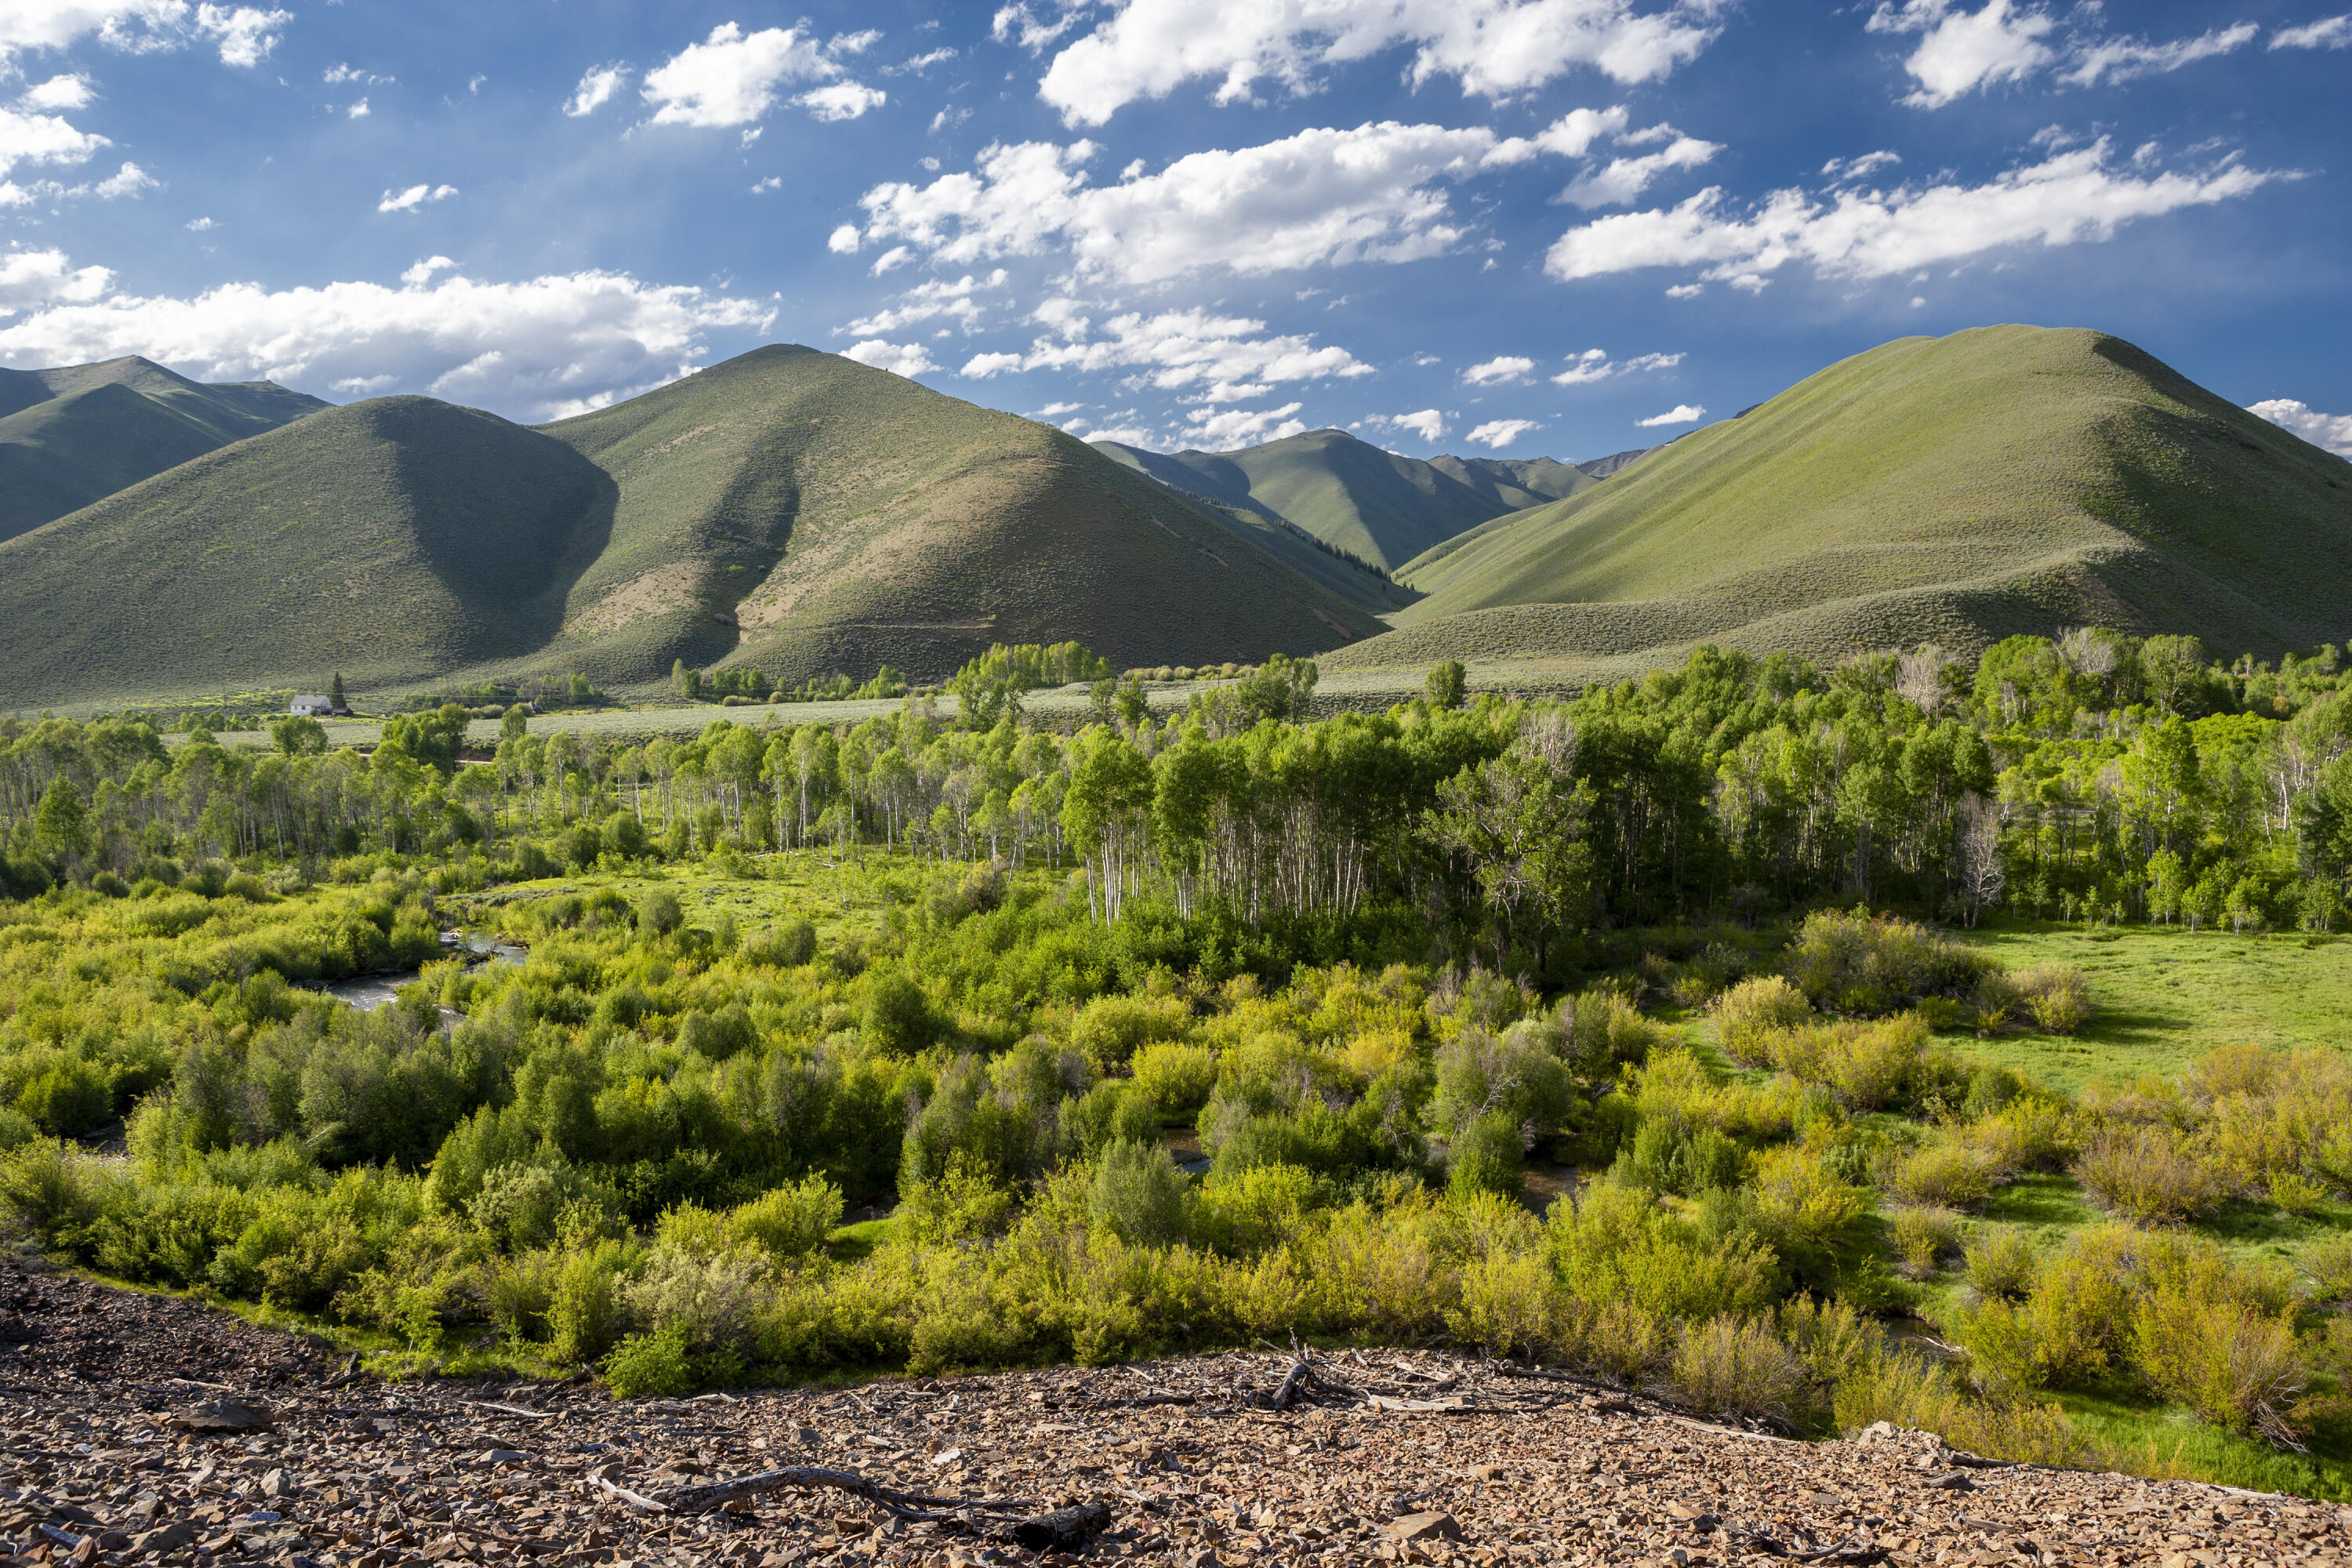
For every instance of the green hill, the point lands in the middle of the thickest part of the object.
(797, 510)
(1376, 505)
(1516, 483)
(2002, 479)
(390, 539)
(73, 435)
(788, 508)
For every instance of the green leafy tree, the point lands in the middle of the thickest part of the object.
(335, 691)
(1515, 824)
(298, 736)
(1447, 684)
(62, 823)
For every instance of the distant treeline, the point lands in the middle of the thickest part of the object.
(2097, 777)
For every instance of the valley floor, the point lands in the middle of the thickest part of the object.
(1423, 1458)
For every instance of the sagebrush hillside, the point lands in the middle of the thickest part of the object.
(788, 508)
(1379, 506)
(1517, 483)
(78, 433)
(389, 539)
(1998, 480)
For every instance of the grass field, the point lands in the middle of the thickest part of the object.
(2168, 997)
(2002, 479)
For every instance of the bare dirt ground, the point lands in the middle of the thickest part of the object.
(137, 1428)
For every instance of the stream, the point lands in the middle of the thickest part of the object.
(369, 992)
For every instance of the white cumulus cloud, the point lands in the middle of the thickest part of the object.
(540, 348)
(244, 34)
(1621, 180)
(1498, 434)
(732, 78)
(1503, 370)
(1321, 197)
(1216, 359)
(1427, 425)
(37, 138)
(935, 300)
(2070, 198)
(414, 198)
(2122, 59)
(597, 86)
(1962, 51)
(59, 92)
(2329, 33)
(1594, 365)
(1493, 48)
(1680, 414)
(1228, 427)
(30, 277)
(2331, 431)
(912, 360)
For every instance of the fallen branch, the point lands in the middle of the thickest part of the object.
(913, 1507)
(1773, 1546)
(641, 1504)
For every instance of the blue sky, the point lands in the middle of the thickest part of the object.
(1517, 226)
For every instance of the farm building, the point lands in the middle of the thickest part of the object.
(313, 707)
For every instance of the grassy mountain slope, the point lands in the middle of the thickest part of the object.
(390, 539)
(2001, 479)
(788, 508)
(1516, 483)
(1376, 505)
(800, 512)
(72, 435)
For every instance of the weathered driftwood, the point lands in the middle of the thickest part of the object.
(1064, 1530)
(912, 1506)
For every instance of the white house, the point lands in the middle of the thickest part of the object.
(313, 707)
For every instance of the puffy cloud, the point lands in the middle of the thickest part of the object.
(1322, 197)
(597, 88)
(1498, 434)
(336, 74)
(1844, 171)
(1623, 179)
(540, 348)
(1594, 365)
(30, 277)
(128, 181)
(931, 301)
(1229, 427)
(246, 34)
(2330, 431)
(201, 225)
(1504, 369)
(59, 92)
(2330, 33)
(1495, 48)
(1427, 426)
(842, 100)
(2121, 59)
(912, 360)
(1960, 52)
(732, 78)
(359, 111)
(1218, 359)
(1680, 414)
(2068, 197)
(414, 198)
(38, 138)
(1017, 23)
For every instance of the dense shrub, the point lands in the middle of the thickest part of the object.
(2153, 1172)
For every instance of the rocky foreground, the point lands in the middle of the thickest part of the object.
(135, 1427)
